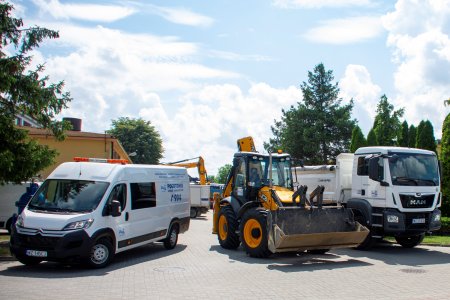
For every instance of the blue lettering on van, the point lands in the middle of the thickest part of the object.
(121, 231)
(175, 198)
(172, 187)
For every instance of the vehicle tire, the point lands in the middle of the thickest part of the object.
(171, 241)
(28, 261)
(193, 213)
(253, 231)
(410, 241)
(318, 251)
(369, 242)
(227, 226)
(102, 253)
(199, 213)
(9, 225)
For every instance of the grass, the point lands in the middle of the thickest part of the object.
(4, 251)
(4, 237)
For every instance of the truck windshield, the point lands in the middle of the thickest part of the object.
(414, 169)
(68, 195)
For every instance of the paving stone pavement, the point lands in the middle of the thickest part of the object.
(198, 268)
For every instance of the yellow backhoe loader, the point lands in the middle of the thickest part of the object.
(261, 208)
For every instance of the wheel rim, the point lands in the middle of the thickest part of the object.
(99, 254)
(252, 233)
(223, 228)
(173, 237)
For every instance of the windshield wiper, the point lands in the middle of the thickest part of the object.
(407, 179)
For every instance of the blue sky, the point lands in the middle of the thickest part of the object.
(206, 73)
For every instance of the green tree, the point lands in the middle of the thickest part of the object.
(222, 174)
(403, 136)
(358, 139)
(139, 138)
(412, 136)
(28, 93)
(320, 127)
(445, 159)
(425, 136)
(371, 138)
(387, 122)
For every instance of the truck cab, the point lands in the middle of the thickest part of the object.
(396, 191)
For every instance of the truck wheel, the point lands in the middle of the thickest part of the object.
(199, 213)
(253, 230)
(369, 242)
(171, 241)
(102, 253)
(193, 213)
(9, 225)
(410, 241)
(28, 261)
(227, 226)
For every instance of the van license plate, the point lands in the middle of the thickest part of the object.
(36, 253)
(418, 221)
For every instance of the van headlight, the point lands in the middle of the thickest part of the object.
(84, 224)
(19, 221)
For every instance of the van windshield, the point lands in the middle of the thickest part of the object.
(68, 195)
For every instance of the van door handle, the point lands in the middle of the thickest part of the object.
(126, 216)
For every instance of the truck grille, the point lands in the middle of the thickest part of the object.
(411, 225)
(414, 201)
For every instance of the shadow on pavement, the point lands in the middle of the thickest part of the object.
(393, 254)
(122, 260)
(293, 262)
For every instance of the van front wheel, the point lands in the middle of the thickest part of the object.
(171, 241)
(102, 253)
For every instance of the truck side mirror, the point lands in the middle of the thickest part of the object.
(375, 172)
(115, 208)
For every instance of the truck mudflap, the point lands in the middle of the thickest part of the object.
(298, 229)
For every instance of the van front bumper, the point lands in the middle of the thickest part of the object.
(72, 246)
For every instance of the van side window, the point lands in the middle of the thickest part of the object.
(119, 193)
(363, 166)
(143, 195)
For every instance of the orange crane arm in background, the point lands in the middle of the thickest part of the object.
(200, 165)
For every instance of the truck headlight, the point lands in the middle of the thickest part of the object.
(392, 219)
(84, 224)
(437, 218)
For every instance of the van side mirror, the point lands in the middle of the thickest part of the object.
(115, 208)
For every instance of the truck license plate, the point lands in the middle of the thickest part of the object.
(418, 221)
(36, 253)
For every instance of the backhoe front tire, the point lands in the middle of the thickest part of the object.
(254, 236)
(227, 226)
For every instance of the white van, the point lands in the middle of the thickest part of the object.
(89, 211)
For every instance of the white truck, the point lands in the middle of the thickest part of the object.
(393, 191)
(91, 209)
(199, 199)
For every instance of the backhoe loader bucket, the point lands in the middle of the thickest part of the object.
(298, 229)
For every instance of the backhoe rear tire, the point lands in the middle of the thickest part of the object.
(227, 226)
(254, 236)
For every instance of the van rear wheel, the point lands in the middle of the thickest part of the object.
(102, 253)
(171, 241)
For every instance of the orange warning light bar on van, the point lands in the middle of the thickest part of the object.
(101, 160)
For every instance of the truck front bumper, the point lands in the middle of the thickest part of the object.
(72, 246)
(396, 222)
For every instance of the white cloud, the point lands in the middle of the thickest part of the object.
(89, 12)
(319, 3)
(209, 121)
(180, 16)
(419, 39)
(344, 31)
(232, 56)
(357, 84)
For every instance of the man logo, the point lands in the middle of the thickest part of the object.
(418, 195)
